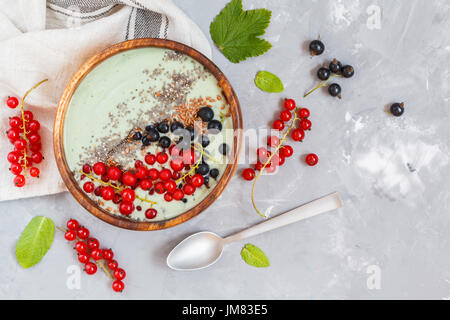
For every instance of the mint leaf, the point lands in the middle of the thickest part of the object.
(236, 32)
(268, 82)
(254, 256)
(35, 241)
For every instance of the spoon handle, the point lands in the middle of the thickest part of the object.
(311, 209)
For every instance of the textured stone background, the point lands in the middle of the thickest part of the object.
(393, 173)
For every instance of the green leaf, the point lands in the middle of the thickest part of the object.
(268, 82)
(236, 32)
(35, 241)
(254, 256)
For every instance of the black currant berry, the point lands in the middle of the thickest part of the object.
(316, 48)
(224, 148)
(153, 135)
(164, 142)
(204, 140)
(335, 66)
(203, 169)
(175, 126)
(215, 126)
(323, 74)
(163, 127)
(137, 135)
(150, 127)
(348, 71)
(145, 141)
(214, 173)
(192, 132)
(334, 89)
(206, 180)
(206, 114)
(397, 109)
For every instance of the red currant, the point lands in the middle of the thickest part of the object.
(312, 159)
(37, 157)
(176, 164)
(285, 115)
(83, 257)
(278, 125)
(28, 115)
(34, 126)
(259, 165)
(90, 268)
(287, 151)
(248, 174)
(13, 156)
(170, 186)
(141, 173)
(273, 141)
(88, 187)
(87, 168)
(96, 254)
(298, 134)
(99, 168)
(36, 147)
(262, 154)
(289, 104)
(19, 181)
(126, 208)
(168, 197)
(159, 188)
(98, 191)
(162, 157)
(189, 157)
(128, 195)
(70, 235)
(13, 134)
(113, 264)
(153, 173)
(20, 144)
(83, 233)
(15, 122)
(138, 164)
(188, 189)
(150, 159)
(178, 194)
(117, 198)
(165, 174)
(150, 213)
(12, 102)
(15, 168)
(34, 138)
(129, 179)
(118, 286)
(93, 243)
(114, 173)
(108, 254)
(271, 168)
(119, 274)
(305, 124)
(145, 184)
(197, 180)
(303, 113)
(34, 172)
(81, 247)
(73, 224)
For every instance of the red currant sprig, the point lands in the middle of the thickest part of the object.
(89, 248)
(24, 135)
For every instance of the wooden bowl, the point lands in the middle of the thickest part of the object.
(58, 132)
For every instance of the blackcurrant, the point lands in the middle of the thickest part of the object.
(203, 169)
(206, 180)
(397, 109)
(335, 66)
(215, 126)
(192, 132)
(204, 140)
(153, 135)
(163, 127)
(323, 73)
(164, 142)
(214, 173)
(348, 71)
(137, 135)
(334, 89)
(224, 148)
(175, 126)
(150, 127)
(206, 114)
(316, 47)
(145, 141)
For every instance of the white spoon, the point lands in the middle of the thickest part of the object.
(202, 249)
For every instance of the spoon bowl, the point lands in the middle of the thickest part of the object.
(197, 251)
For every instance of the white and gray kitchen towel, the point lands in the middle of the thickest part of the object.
(51, 39)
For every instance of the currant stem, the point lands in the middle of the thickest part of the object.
(202, 152)
(24, 165)
(322, 84)
(280, 145)
(115, 187)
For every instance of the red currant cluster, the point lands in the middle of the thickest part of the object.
(24, 135)
(89, 248)
(269, 160)
(176, 179)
